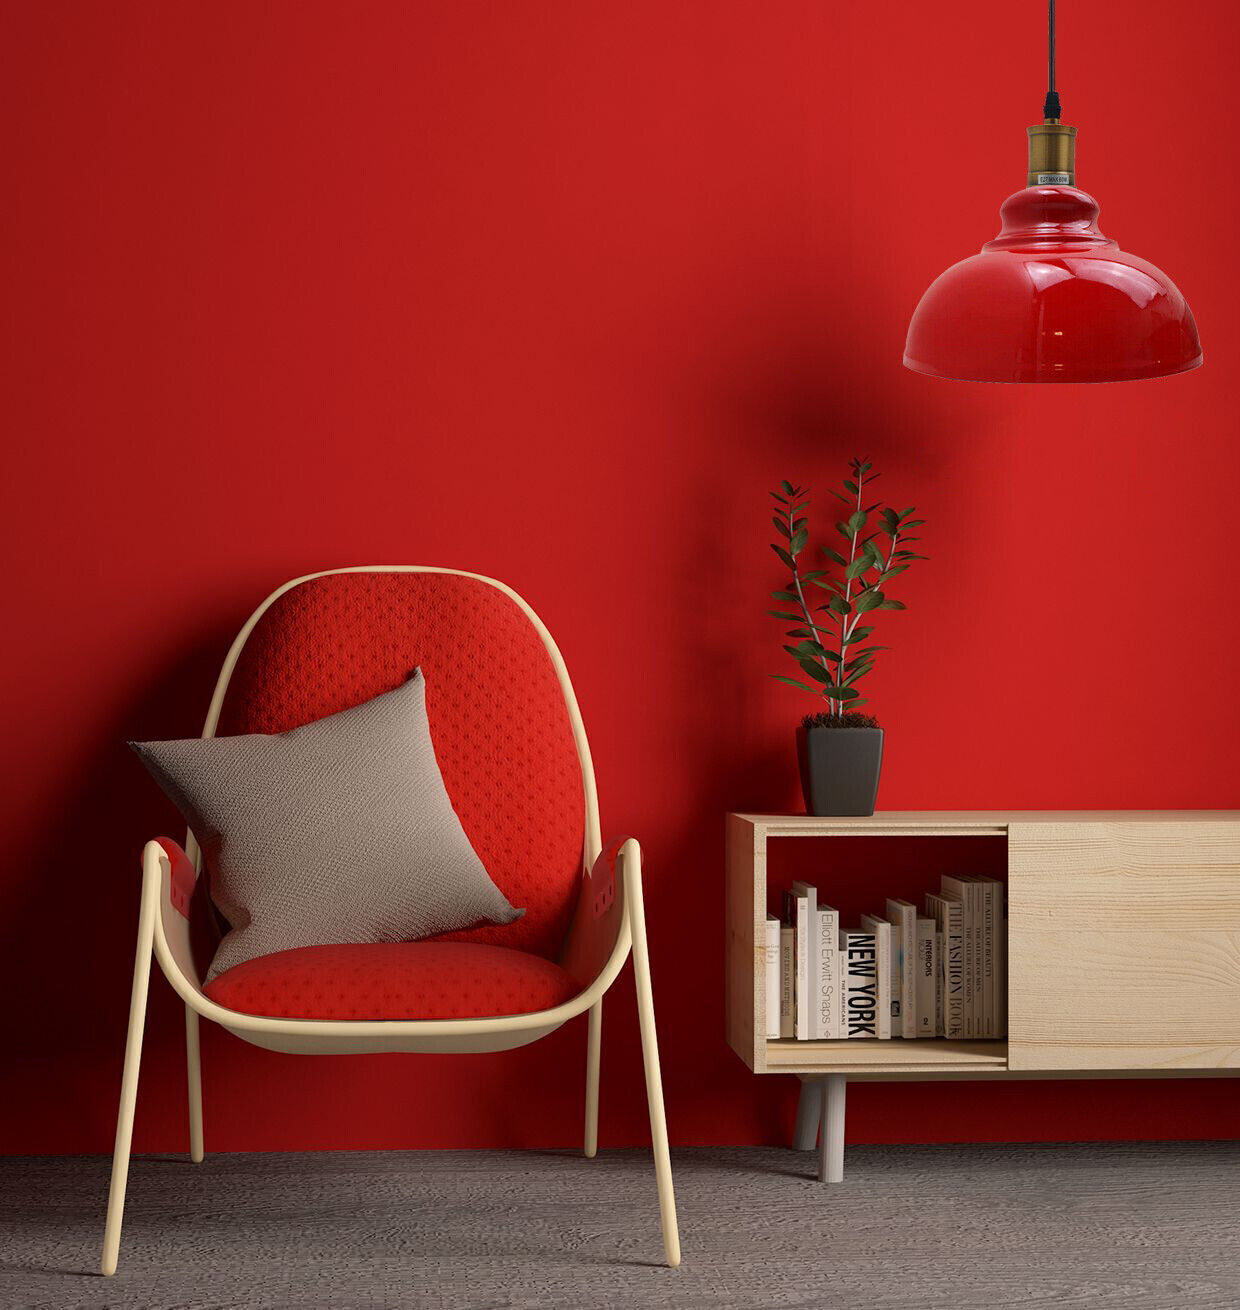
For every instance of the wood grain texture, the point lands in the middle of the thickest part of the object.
(1124, 944)
(1103, 1227)
(894, 1056)
(745, 919)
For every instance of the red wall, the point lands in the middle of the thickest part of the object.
(555, 292)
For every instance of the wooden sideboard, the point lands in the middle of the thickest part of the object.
(1123, 954)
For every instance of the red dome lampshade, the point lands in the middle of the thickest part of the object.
(1051, 299)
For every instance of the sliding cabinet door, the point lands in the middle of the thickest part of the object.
(1124, 945)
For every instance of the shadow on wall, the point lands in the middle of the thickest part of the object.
(77, 910)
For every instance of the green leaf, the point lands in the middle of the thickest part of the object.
(799, 523)
(858, 566)
(788, 618)
(839, 693)
(787, 487)
(865, 467)
(856, 522)
(894, 605)
(784, 595)
(833, 554)
(781, 526)
(867, 653)
(850, 486)
(811, 577)
(783, 500)
(869, 600)
(843, 530)
(799, 540)
(908, 554)
(838, 605)
(792, 682)
(783, 555)
(859, 634)
(814, 670)
(894, 569)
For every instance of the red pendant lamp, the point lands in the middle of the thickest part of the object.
(1051, 299)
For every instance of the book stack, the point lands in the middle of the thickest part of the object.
(939, 973)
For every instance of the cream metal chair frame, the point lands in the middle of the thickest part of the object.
(607, 936)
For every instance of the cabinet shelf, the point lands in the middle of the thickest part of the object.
(929, 1055)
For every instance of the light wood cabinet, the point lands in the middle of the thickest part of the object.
(1123, 951)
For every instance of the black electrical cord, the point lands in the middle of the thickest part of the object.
(1051, 107)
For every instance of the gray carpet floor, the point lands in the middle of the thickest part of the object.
(972, 1228)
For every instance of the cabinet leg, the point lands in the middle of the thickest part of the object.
(809, 1111)
(831, 1145)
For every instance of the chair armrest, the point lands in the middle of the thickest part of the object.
(599, 917)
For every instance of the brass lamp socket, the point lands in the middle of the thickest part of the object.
(1052, 154)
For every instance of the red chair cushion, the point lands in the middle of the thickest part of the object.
(497, 715)
(393, 980)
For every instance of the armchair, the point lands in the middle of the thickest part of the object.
(329, 639)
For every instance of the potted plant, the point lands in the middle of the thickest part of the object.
(840, 750)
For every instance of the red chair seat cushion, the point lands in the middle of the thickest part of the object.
(393, 980)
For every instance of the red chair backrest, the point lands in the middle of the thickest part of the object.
(498, 716)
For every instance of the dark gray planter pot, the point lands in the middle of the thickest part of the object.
(840, 768)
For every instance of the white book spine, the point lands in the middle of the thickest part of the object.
(859, 956)
(804, 1012)
(903, 917)
(828, 973)
(979, 962)
(987, 888)
(882, 935)
(938, 983)
(806, 902)
(926, 974)
(954, 974)
(1000, 960)
(787, 981)
(772, 976)
(948, 914)
(960, 890)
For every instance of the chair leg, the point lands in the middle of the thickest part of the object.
(129, 1089)
(193, 1069)
(594, 1048)
(809, 1111)
(654, 1084)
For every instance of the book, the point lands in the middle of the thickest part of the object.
(881, 929)
(827, 978)
(938, 982)
(787, 981)
(804, 910)
(927, 977)
(988, 886)
(948, 912)
(859, 957)
(1000, 960)
(961, 889)
(903, 918)
(772, 975)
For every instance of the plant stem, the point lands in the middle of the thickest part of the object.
(796, 579)
(844, 630)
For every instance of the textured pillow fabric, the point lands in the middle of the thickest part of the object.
(339, 831)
